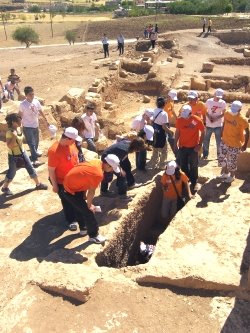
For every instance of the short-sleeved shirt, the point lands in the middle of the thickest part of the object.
(234, 127)
(199, 109)
(15, 150)
(169, 106)
(89, 121)
(63, 159)
(160, 117)
(84, 176)
(189, 129)
(170, 192)
(215, 109)
(30, 113)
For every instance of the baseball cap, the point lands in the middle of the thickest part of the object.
(149, 131)
(114, 162)
(219, 93)
(170, 169)
(192, 94)
(185, 111)
(149, 112)
(72, 133)
(173, 94)
(236, 106)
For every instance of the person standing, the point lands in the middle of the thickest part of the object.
(153, 39)
(156, 29)
(204, 22)
(169, 108)
(85, 178)
(1, 93)
(198, 107)
(189, 137)
(105, 44)
(209, 27)
(62, 157)
(14, 140)
(78, 123)
(235, 136)
(91, 125)
(120, 41)
(29, 110)
(216, 108)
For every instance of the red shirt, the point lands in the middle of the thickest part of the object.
(189, 129)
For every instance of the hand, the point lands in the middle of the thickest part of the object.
(91, 207)
(55, 188)
(14, 133)
(197, 148)
(123, 173)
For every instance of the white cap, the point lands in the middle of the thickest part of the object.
(53, 130)
(219, 93)
(170, 169)
(149, 131)
(185, 111)
(236, 106)
(192, 94)
(114, 162)
(72, 133)
(173, 94)
(149, 112)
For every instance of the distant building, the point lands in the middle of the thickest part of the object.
(18, 1)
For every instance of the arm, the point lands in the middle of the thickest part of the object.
(43, 115)
(244, 147)
(90, 197)
(176, 138)
(190, 196)
(197, 148)
(52, 177)
(166, 129)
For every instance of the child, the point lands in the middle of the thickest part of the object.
(169, 201)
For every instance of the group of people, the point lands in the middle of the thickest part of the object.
(206, 23)
(76, 180)
(105, 44)
(10, 87)
(149, 29)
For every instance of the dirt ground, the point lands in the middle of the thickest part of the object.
(113, 307)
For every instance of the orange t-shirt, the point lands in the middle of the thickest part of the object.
(233, 131)
(84, 176)
(189, 129)
(63, 159)
(199, 109)
(170, 192)
(169, 106)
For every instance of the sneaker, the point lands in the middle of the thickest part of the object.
(41, 186)
(73, 226)
(39, 153)
(135, 185)
(6, 191)
(108, 194)
(83, 232)
(229, 179)
(35, 163)
(223, 176)
(125, 197)
(205, 157)
(97, 240)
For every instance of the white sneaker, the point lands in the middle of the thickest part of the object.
(83, 232)
(135, 185)
(223, 176)
(98, 239)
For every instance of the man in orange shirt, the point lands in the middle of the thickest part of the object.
(62, 157)
(198, 107)
(169, 108)
(235, 136)
(86, 177)
(189, 136)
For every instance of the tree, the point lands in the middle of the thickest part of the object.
(70, 35)
(26, 35)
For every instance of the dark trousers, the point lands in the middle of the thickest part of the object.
(141, 158)
(80, 207)
(153, 44)
(122, 182)
(106, 50)
(204, 27)
(189, 163)
(121, 48)
(68, 210)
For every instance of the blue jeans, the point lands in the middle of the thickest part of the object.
(12, 167)
(206, 142)
(32, 139)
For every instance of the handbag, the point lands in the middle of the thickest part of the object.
(159, 138)
(180, 201)
(19, 159)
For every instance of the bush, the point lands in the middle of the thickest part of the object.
(70, 35)
(34, 9)
(26, 35)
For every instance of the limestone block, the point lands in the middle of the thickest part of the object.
(97, 82)
(74, 97)
(169, 59)
(207, 67)
(41, 100)
(146, 99)
(123, 73)
(88, 154)
(198, 84)
(97, 66)
(114, 65)
(246, 53)
(243, 163)
(67, 117)
(102, 143)
(43, 125)
(107, 105)
(180, 64)
(10, 107)
(21, 97)
(62, 107)
(96, 99)
(151, 74)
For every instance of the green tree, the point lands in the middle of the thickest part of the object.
(70, 35)
(26, 35)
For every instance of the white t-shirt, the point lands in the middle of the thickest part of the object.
(162, 118)
(89, 121)
(215, 109)
(138, 123)
(30, 113)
